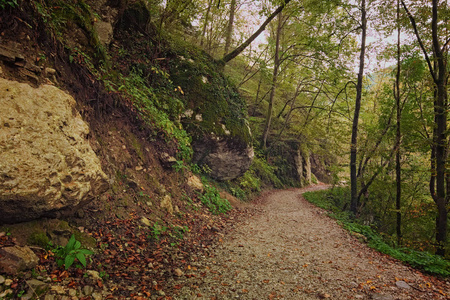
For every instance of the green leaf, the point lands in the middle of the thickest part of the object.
(81, 258)
(70, 244)
(69, 261)
(77, 245)
(85, 251)
(60, 262)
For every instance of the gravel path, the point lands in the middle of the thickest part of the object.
(291, 249)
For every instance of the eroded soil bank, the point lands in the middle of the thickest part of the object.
(291, 249)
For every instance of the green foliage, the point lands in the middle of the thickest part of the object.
(149, 107)
(212, 200)
(207, 92)
(337, 199)
(178, 232)
(250, 182)
(8, 3)
(72, 251)
(157, 230)
(266, 172)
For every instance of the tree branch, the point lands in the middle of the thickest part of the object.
(244, 45)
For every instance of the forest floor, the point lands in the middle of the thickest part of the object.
(290, 249)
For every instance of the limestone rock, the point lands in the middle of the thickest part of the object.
(320, 167)
(46, 162)
(166, 204)
(36, 287)
(403, 285)
(195, 183)
(303, 165)
(226, 158)
(15, 259)
(145, 221)
(104, 32)
(167, 160)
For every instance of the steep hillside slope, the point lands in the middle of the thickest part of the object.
(145, 100)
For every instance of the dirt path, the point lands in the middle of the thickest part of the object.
(293, 250)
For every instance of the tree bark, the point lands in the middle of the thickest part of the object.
(208, 10)
(274, 83)
(229, 34)
(441, 135)
(245, 44)
(354, 140)
(398, 170)
(439, 178)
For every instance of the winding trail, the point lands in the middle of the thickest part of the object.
(293, 250)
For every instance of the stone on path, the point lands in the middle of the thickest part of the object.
(403, 285)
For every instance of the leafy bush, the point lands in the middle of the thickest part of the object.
(67, 255)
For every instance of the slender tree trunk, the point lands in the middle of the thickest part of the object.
(274, 83)
(205, 24)
(441, 135)
(229, 34)
(257, 95)
(439, 179)
(354, 140)
(398, 170)
(245, 44)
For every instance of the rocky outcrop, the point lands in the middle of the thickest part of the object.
(226, 159)
(320, 167)
(303, 165)
(46, 163)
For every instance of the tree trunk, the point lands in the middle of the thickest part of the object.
(439, 178)
(245, 44)
(274, 83)
(229, 33)
(359, 85)
(208, 10)
(398, 170)
(441, 135)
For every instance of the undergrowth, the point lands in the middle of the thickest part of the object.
(212, 200)
(335, 200)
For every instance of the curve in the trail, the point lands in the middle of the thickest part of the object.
(293, 250)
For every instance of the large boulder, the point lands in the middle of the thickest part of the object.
(226, 158)
(46, 162)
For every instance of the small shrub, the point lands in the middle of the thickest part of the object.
(157, 230)
(66, 255)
